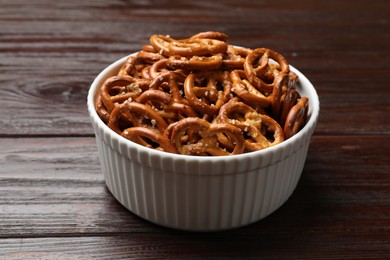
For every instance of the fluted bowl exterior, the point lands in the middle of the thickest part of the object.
(201, 193)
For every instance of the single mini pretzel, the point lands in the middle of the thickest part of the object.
(261, 131)
(245, 90)
(138, 115)
(277, 93)
(209, 97)
(234, 57)
(101, 109)
(211, 35)
(149, 138)
(288, 100)
(204, 140)
(261, 72)
(128, 66)
(165, 105)
(118, 89)
(161, 44)
(145, 73)
(195, 62)
(171, 82)
(149, 57)
(158, 67)
(296, 118)
(197, 47)
(134, 69)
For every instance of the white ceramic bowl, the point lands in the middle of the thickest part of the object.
(201, 193)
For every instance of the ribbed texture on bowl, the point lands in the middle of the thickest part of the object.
(201, 193)
(200, 202)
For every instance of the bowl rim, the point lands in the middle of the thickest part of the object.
(110, 70)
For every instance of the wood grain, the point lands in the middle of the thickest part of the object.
(193, 246)
(53, 200)
(51, 52)
(61, 201)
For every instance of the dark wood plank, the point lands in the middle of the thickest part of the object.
(53, 199)
(52, 194)
(50, 52)
(192, 246)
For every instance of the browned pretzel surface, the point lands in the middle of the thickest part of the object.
(203, 96)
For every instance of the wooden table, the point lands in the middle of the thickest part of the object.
(53, 200)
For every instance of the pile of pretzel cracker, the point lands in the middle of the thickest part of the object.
(203, 96)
